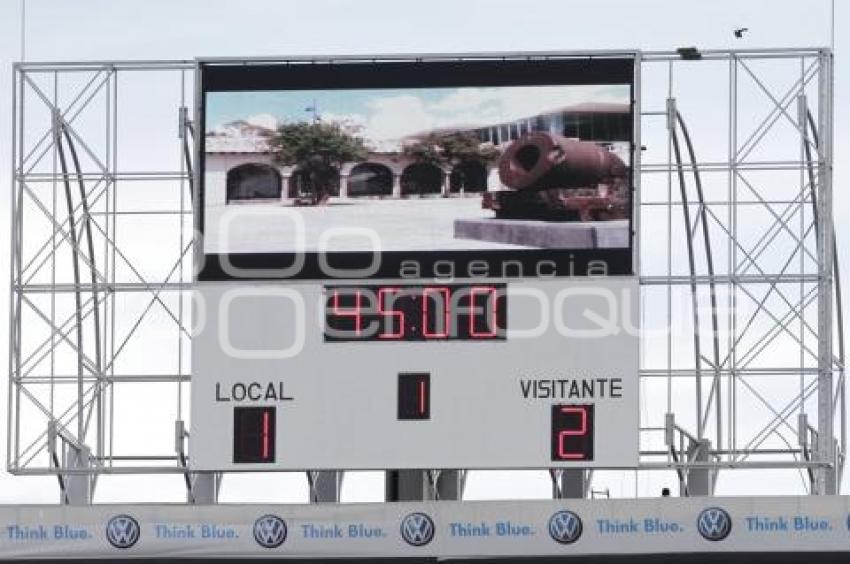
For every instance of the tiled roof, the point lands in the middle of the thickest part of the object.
(231, 144)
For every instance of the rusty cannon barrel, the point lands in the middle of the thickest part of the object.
(542, 161)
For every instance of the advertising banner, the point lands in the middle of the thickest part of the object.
(627, 528)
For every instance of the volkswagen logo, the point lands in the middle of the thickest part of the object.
(565, 527)
(270, 531)
(122, 531)
(714, 524)
(417, 529)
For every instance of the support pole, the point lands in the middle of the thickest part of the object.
(826, 477)
(445, 187)
(450, 484)
(343, 186)
(325, 486)
(78, 487)
(700, 481)
(396, 185)
(570, 483)
(407, 485)
(205, 487)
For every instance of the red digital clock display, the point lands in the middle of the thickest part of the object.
(415, 313)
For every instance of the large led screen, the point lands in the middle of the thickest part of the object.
(498, 168)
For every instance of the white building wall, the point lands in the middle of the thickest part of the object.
(216, 167)
(218, 164)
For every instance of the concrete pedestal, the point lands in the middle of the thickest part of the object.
(546, 234)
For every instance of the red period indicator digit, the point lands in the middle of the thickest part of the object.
(488, 311)
(422, 397)
(354, 313)
(442, 312)
(390, 314)
(414, 396)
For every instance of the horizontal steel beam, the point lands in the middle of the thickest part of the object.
(773, 279)
(764, 464)
(103, 287)
(185, 64)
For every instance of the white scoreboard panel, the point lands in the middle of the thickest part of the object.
(415, 264)
(556, 390)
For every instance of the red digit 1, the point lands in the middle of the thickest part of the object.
(489, 312)
(266, 421)
(422, 397)
(391, 313)
(563, 453)
(354, 312)
(438, 333)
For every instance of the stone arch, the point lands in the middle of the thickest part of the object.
(471, 176)
(300, 184)
(421, 178)
(370, 179)
(253, 181)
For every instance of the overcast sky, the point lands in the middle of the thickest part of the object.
(384, 115)
(184, 29)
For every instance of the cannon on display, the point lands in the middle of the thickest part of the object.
(559, 179)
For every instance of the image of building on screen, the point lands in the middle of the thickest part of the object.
(447, 168)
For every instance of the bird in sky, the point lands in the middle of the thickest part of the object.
(739, 33)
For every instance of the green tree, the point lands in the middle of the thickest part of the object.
(446, 150)
(450, 149)
(319, 149)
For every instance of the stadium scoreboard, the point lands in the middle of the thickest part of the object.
(341, 323)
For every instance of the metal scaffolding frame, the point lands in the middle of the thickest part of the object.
(747, 247)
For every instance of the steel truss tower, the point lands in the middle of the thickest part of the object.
(742, 345)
